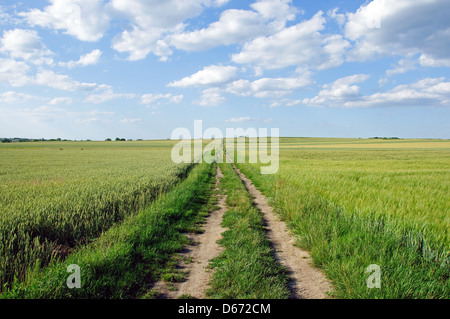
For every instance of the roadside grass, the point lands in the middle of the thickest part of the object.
(344, 242)
(246, 269)
(130, 256)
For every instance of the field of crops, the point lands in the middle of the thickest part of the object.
(56, 196)
(119, 210)
(355, 202)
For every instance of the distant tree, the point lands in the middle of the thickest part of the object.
(122, 139)
(108, 140)
(117, 139)
(130, 140)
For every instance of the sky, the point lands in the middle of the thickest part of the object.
(97, 69)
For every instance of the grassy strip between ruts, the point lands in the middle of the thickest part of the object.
(246, 269)
(345, 244)
(125, 260)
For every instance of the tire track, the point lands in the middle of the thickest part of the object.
(306, 281)
(204, 247)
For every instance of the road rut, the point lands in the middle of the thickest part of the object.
(306, 281)
(203, 249)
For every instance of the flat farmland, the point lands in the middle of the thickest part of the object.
(56, 196)
(126, 215)
(357, 202)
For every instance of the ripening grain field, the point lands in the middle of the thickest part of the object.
(355, 202)
(55, 196)
(120, 210)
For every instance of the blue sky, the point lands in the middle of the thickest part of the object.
(93, 69)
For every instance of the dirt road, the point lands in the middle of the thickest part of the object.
(203, 249)
(307, 282)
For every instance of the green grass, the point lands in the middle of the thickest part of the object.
(57, 196)
(126, 259)
(355, 207)
(246, 269)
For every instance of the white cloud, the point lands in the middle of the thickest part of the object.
(269, 87)
(424, 93)
(87, 20)
(60, 100)
(10, 97)
(131, 121)
(280, 10)
(285, 102)
(161, 98)
(340, 90)
(87, 59)
(150, 21)
(107, 95)
(210, 75)
(339, 17)
(428, 61)
(302, 44)
(14, 72)
(61, 82)
(239, 119)
(210, 97)
(407, 27)
(402, 66)
(26, 45)
(140, 42)
(236, 26)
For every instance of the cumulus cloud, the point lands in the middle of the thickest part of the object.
(107, 95)
(14, 72)
(87, 20)
(427, 61)
(402, 66)
(87, 59)
(210, 75)
(161, 98)
(429, 92)
(138, 43)
(26, 45)
(404, 27)
(302, 45)
(269, 87)
(10, 97)
(60, 100)
(150, 21)
(285, 102)
(61, 82)
(341, 90)
(239, 119)
(236, 26)
(131, 121)
(210, 97)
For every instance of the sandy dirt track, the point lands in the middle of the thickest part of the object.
(306, 281)
(204, 247)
